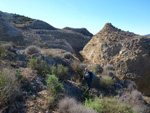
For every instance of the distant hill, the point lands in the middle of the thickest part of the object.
(26, 31)
(127, 52)
(147, 35)
(83, 31)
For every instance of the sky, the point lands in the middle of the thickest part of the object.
(128, 15)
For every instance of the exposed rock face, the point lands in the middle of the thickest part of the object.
(7, 31)
(17, 28)
(129, 53)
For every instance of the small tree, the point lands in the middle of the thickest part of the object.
(54, 86)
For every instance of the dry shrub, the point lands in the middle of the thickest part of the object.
(78, 67)
(133, 97)
(82, 109)
(58, 58)
(108, 67)
(68, 55)
(75, 65)
(96, 69)
(65, 104)
(70, 105)
(32, 50)
(9, 86)
(9, 46)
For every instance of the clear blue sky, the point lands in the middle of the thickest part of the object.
(128, 15)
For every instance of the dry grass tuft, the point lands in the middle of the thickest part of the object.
(2, 50)
(32, 50)
(68, 55)
(70, 105)
(108, 67)
(9, 86)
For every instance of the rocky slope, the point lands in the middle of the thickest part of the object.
(26, 31)
(128, 52)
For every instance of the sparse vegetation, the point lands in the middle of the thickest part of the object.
(18, 19)
(2, 50)
(43, 67)
(75, 65)
(40, 65)
(32, 63)
(62, 72)
(54, 86)
(96, 69)
(108, 105)
(108, 67)
(104, 82)
(9, 86)
(32, 50)
(78, 67)
(70, 105)
(53, 70)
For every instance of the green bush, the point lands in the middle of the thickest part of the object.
(40, 65)
(33, 63)
(106, 82)
(62, 72)
(23, 80)
(19, 75)
(43, 67)
(96, 69)
(53, 84)
(108, 105)
(9, 86)
(53, 70)
(2, 50)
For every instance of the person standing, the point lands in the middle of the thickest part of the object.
(88, 77)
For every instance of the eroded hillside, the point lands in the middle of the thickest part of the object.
(128, 52)
(26, 31)
(41, 70)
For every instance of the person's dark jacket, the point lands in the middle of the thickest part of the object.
(90, 73)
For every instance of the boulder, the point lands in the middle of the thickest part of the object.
(49, 60)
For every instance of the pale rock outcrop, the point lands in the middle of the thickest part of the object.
(127, 52)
